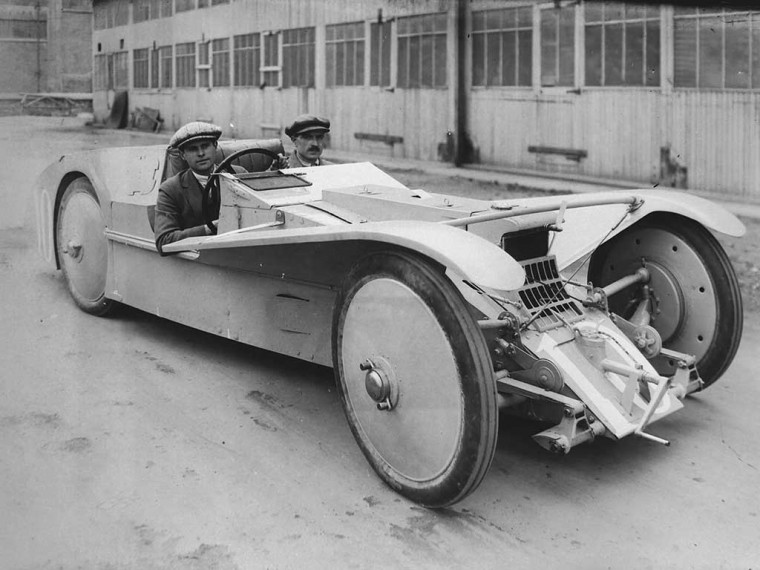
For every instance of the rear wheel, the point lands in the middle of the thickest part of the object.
(83, 248)
(696, 298)
(415, 378)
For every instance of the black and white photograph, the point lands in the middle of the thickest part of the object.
(358, 284)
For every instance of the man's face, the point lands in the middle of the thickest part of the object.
(199, 156)
(310, 145)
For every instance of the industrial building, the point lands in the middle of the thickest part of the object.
(653, 94)
(45, 46)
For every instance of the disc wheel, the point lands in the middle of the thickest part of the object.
(697, 304)
(82, 247)
(415, 378)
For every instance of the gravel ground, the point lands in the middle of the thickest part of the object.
(744, 252)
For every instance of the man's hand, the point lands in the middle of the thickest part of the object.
(208, 230)
(280, 163)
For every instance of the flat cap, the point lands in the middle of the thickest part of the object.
(195, 131)
(307, 124)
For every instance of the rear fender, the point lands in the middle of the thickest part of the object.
(585, 229)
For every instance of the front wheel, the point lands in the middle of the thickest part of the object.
(415, 378)
(697, 304)
(82, 248)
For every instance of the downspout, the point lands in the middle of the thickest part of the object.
(37, 29)
(463, 147)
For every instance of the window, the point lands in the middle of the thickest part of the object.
(185, 64)
(165, 62)
(717, 48)
(203, 3)
(204, 68)
(246, 59)
(422, 51)
(23, 29)
(165, 8)
(558, 46)
(120, 70)
(220, 62)
(140, 10)
(216, 2)
(183, 5)
(100, 79)
(298, 57)
(345, 54)
(380, 54)
(140, 68)
(502, 47)
(622, 44)
(105, 15)
(271, 68)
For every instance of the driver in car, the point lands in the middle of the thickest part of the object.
(179, 207)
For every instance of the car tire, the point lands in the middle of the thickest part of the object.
(82, 247)
(398, 317)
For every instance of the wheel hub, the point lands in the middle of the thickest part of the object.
(380, 383)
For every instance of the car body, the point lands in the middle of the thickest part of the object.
(436, 312)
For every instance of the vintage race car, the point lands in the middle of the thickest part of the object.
(596, 314)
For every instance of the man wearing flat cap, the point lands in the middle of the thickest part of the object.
(308, 135)
(179, 207)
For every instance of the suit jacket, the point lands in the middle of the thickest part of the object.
(295, 162)
(179, 210)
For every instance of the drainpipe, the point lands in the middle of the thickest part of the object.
(462, 150)
(37, 29)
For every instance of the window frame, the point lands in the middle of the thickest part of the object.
(352, 45)
(184, 66)
(410, 42)
(523, 78)
(138, 73)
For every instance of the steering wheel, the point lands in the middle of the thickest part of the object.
(211, 199)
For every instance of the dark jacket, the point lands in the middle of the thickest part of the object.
(179, 210)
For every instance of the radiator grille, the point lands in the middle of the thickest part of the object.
(543, 293)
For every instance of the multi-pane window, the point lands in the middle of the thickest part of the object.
(185, 64)
(271, 68)
(422, 51)
(140, 68)
(380, 54)
(298, 57)
(558, 46)
(141, 10)
(717, 48)
(183, 5)
(345, 54)
(100, 75)
(106, 14)
(204, 69)
(165, 8)
(203, 3)
(165, 61)
(502, 47)
(220, 62)
(622, 44)
(246, 59)
(120, 70)
(31, 29)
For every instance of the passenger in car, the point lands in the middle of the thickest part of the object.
(308, 135)
(179, 207)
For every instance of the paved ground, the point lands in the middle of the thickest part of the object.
(132, 442)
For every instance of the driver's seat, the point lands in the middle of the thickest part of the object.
(254, 162)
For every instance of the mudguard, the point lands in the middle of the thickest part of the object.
(116, 174)
(585, 229)
(490, 268)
